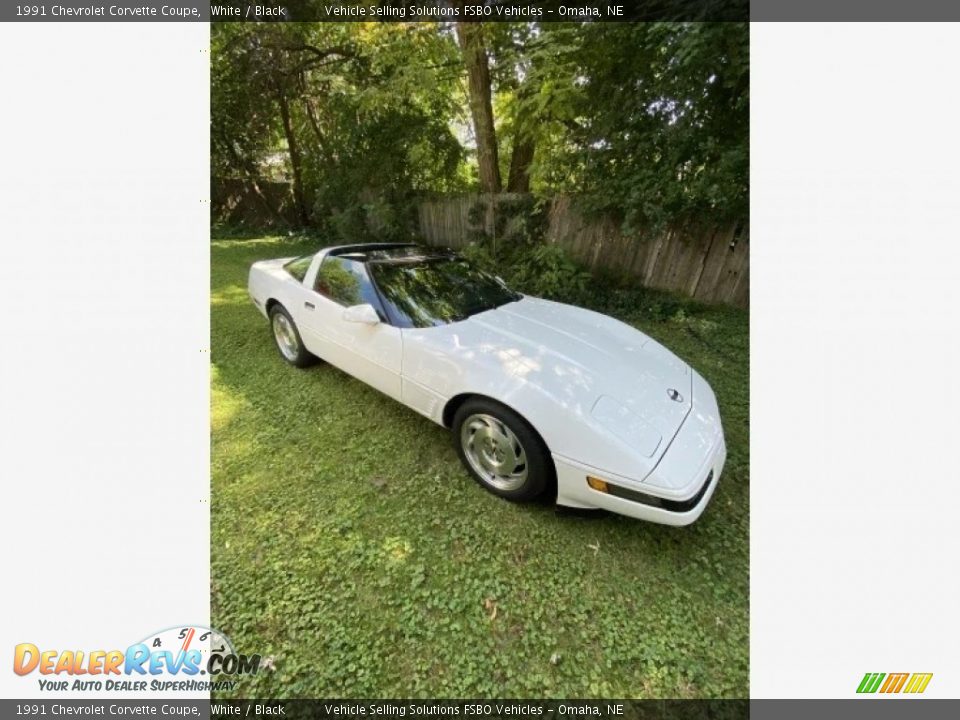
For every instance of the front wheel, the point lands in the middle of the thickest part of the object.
(501, 450)
(287, 338)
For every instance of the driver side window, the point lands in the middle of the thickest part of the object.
(345, 281)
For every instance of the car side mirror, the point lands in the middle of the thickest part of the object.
(361, 314)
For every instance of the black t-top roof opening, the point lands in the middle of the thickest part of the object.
(390, 252)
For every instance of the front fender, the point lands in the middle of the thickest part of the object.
(441, 365)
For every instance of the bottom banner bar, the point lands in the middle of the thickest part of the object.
(873, 708)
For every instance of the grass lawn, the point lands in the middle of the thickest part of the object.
(349, 545)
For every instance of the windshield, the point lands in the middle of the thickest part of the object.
(437, 291)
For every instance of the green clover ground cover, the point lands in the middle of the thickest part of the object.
(350, 547)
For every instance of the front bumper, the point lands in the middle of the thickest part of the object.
(678, 489)
(573, 491)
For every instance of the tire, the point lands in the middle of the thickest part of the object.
(500, 449)
(287, 338)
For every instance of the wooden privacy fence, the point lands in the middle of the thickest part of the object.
(253, 202)
(708, 262)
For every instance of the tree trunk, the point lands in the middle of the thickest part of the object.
(524, 146)
(317, 132)
(311, 112)
(481, 107)
(295, 158)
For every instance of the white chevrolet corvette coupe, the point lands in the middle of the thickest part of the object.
(540, 396)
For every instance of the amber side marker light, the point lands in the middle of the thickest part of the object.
(597, 484)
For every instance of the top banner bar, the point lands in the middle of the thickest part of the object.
(376, 10)
(478, 10)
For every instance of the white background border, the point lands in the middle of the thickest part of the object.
(104, 380)
(855, 350)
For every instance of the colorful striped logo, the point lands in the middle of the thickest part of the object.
(894, 682)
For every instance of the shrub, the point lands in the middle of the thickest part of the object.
(548, 271)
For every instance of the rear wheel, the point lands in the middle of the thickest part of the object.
(501, 450)
(287, 338)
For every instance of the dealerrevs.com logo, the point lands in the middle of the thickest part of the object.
(891, 683)
(180, 658)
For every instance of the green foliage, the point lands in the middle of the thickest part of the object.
(350, 547)
(480, 255)
(515, 249)
(371, 127)
(648, 121)
(244, 129)
(548, 271)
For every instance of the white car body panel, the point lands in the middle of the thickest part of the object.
(607, 400)
(371, 353)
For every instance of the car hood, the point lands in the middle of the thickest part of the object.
(627, 382)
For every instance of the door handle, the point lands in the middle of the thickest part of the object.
(310, 306)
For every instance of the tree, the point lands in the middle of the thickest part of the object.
(242, 127)
(361, 129)
(515, 82)
(481, 106)
(647, 120)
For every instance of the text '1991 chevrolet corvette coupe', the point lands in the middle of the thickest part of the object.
(540, 396)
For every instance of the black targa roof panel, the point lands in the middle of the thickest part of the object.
(391, 252)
